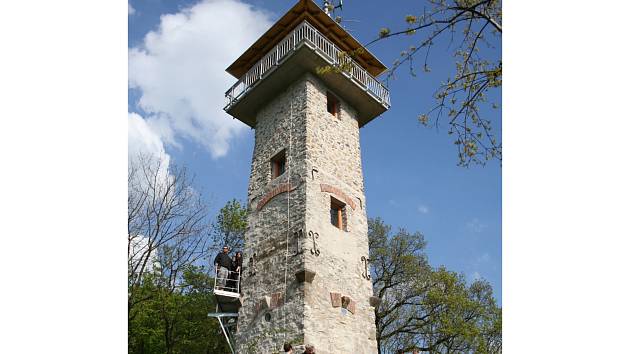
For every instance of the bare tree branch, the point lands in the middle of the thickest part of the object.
(167, 225)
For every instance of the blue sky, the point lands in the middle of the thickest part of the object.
(411, 175)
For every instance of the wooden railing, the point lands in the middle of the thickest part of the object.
(305, 33)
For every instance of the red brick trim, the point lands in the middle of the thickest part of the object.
(334, 190)
(348, 303)
(269, 302)
(277, 300)
(281, 188)
(335, 299)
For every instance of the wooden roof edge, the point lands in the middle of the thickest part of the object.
(277, 31)
(367, 59)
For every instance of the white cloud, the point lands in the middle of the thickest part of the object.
(145, 142)
(140, 251)
(475, 276)
(475, 226)
(423, 209)
(130, 9)
(143, 139)
(180, 70)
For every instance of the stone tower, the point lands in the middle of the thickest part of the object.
(306, 275)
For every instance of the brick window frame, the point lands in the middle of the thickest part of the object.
(338, 214)
(278, 164)
(332, 104)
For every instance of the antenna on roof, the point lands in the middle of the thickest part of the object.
(344, 22)
(330, 7)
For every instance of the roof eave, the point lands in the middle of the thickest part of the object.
(300, 11)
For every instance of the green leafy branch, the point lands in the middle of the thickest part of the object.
(459, 99)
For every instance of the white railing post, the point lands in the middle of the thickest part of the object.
(306, 32)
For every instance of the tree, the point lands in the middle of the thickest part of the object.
(424, 308)
(472, 28)
(230, 225)
(177, 322)
(167, 229)
(169, 292)
(474, 25)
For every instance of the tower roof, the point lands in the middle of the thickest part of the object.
(304, 9)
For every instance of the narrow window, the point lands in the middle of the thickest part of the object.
(332, 104)
(338, 213)
(278, 164)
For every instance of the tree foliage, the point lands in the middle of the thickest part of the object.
(169, 294)
(472, 29)
(176, 321)
(167, 224)
(230, 225)
(424, 308)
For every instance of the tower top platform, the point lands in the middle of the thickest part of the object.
(305, 10)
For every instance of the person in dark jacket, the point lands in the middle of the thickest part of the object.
(222, 264)
(237, 268)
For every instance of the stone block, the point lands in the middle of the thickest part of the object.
(265, 303)
(352, 306)
(305, 276)
(348, 303)
(277, 300)
(335, 299)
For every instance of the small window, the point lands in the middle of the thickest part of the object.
(338, 214)
(332, 104)
(278, 164)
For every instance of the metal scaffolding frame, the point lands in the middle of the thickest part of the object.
(225, 328)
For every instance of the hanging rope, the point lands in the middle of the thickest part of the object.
(286, 254)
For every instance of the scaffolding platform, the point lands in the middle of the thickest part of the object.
(229, 301)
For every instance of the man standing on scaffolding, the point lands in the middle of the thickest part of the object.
(222, 265)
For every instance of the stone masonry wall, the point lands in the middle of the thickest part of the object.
(331, 310)
(268, 220)
(333, 149)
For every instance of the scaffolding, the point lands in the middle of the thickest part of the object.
(228, 297)
(228, 327)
